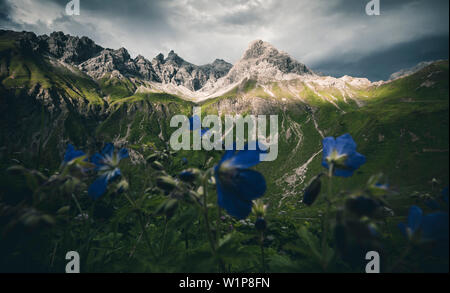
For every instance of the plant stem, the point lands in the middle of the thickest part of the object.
(263, 260)
(164, 236)
(144, 231)
(326, 215)
(77, 204)
(218, 221)
(205, 215)
(205, 212)
(141, 220)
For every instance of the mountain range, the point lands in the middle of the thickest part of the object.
(58, 89)
(172, 74)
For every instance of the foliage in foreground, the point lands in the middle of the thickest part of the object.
(170, 217)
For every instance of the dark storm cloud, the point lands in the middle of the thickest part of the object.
(335, 37)
(380, 65)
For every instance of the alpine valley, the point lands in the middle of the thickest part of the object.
(61, 89)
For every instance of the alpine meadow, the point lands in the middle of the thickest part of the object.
(86, 163)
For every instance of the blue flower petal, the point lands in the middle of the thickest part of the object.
(98, 188)
(123, 153)
(111, 175)
(415, 218)
(194, 123)
(343, 173)
(445, 195)
(71, 153)
(329, 143)
(345, 145)
(248, 184)
(355, 161)
(108, 150)
(97, 159)
(235, 206)
(435, 226)
(403, 229)
(203, 131)
(246, 158)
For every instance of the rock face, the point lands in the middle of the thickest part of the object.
(262, 61)
(99, 62)
(69, 49)
(119, 63)
(412, 70)
(175, 70)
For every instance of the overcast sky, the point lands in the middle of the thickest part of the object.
(332, 36)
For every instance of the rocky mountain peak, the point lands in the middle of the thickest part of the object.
(174, 58)
(69, 49)
(263, 52)
(159, 58)
(259, 49)
(263, 62)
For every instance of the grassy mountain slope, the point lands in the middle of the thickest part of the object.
(400, 126)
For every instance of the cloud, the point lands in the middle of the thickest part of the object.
(319, 33)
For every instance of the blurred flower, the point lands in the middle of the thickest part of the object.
(195, 124)
(425, 228)
(122, 186)
(312, 190)
(362, 206)
(236, 185)
(354, 238)
(259, 208)
(184, 161)
(106, 163)
(189, 175)
(341, 152)
(72, 153)
(445, 195)
(377, 185)
(166, 183)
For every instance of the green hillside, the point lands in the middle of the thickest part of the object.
(401, 127)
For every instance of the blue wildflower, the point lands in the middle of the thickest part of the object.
(425, 228)
(445, 195)
(195, 124)
(341, 152)
(107, 165)
(72, 153)
(434, 204)
(236, 184)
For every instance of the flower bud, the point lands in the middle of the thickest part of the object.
(312, 191)
(152, 158)
(63, 210)
(170, 208)
(122, 186)
(166, 183)
(157, 166)
(362, 206)
(189, 175)
(259, 208)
